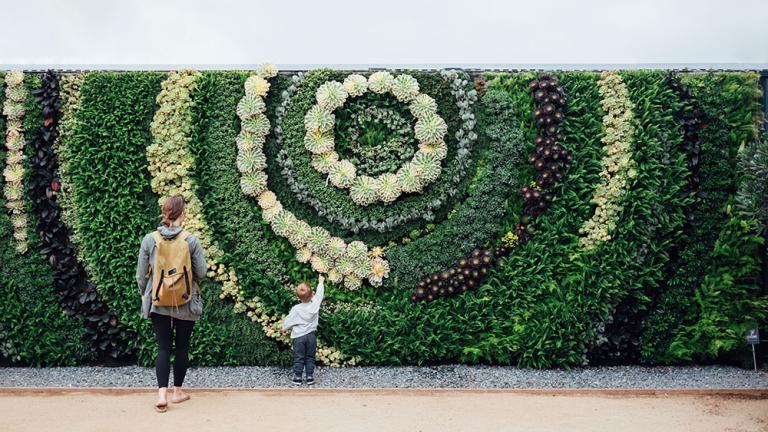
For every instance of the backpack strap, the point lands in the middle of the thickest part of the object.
(184, 235)
(157, 236)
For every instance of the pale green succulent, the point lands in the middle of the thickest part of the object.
(14, 191)
(342, 174)
(428, 166)
(19, 221)
(14, 157)
(14, 78)
(317, 240)
(439, 149)
(405, 88)
(423, 105)
(319, 264)
(256, 86)
(430, 129)
(13, 173)
(303, 255)
(336, 247)
(15, 142)
(364, 191)
(381, 82)
(344, 265)
(375, 281)
(15, 206)
(258, 124)
(267, 70)
(334, 275)
(248, 162)
(267, 199)
(253, 183)
(13, 110)
(318, 143)
(16, 93)
(409, 176)
(357, 250)
(356, 85)
(319, 119)
(250, 106)
(324, 162)
(299, 233)
(352, 282)
(331, 95)
(361, 267)
(20, 235)
(268, 214)
(389, 187)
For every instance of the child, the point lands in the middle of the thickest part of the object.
(302, 320)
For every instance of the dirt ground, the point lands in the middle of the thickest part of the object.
(338, 411)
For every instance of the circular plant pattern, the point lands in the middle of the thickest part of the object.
(430, 129)
(299, 173)
(376, 138)
(348, 263)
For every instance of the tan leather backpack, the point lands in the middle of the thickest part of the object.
(171, 271)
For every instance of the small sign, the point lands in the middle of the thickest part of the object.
(753, 336)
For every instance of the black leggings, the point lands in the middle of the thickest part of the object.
(163, 326)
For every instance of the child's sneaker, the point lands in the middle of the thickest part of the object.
(310, 380)
(296, 381)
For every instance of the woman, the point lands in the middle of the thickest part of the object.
(179, 317)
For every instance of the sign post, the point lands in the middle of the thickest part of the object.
(753, 338)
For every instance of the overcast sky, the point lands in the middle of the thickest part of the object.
(363, 32)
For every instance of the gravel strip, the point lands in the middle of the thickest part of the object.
(460, 376)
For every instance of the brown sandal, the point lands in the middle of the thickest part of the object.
(181, 399)
(161, 408)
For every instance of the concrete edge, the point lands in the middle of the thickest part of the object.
(756, 393)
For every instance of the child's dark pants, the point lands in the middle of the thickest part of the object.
(304, 354)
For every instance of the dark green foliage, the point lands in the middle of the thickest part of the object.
(752, 197)
(728, 301)
(115, 205)
(33, 328)
(729, 103)
(376, 145)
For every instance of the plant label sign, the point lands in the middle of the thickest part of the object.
(753, 336)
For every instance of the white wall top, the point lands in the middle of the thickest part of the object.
(301, 34)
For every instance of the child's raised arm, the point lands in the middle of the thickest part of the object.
(314, 304)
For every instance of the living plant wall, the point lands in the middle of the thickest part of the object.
(543, 219)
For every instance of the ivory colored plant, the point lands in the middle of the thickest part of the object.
(412, 177)
(618, 167)
(13, 109)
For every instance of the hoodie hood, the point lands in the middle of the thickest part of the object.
(169, 233)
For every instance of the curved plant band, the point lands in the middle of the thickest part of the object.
(618, 165)
(77, 295)
(351, 262)
(550, 161)
(14, 172)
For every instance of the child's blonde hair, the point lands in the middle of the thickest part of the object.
(304, 291)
